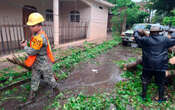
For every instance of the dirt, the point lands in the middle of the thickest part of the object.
(94, 76)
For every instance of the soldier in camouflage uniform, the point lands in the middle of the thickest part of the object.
(39, 59)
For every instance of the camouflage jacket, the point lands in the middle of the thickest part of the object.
(41, 60)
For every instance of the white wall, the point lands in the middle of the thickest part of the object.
(11, 12)
(13, 8)
(67, 6)
(98, 21)
(64, 19)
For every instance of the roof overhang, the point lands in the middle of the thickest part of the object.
(105, 3)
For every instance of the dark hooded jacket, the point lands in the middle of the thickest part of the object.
(173, 35)
(154, 51)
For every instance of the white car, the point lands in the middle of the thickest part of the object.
(127, 36)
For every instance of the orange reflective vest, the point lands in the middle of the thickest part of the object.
(31, 59)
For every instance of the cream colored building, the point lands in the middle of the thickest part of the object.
(67, 20)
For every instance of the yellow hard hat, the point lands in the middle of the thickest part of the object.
(35, 18)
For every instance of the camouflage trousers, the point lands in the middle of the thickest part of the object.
(45, 70)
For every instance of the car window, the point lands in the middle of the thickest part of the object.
(141, 26)
(135, 27)
(148, 27)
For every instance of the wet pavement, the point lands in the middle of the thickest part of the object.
(94, 76)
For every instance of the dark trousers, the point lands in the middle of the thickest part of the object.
(159, 78)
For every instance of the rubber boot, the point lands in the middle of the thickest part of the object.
(55, 90)
(30, 100)
(52, 93)
(161, 94)
(144, 89)
(32, 95)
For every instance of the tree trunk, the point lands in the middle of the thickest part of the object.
(132, 65)
(124, 21)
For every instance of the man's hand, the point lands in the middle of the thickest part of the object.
(169, 36)
(172, 60)
(142, 32)
(23, 43)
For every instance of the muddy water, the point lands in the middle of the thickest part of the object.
(101, 72)
(94, 76)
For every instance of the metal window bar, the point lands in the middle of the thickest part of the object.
(72, 31)
(11, 33)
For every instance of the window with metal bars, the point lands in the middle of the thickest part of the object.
(49, 15)
(75, 16)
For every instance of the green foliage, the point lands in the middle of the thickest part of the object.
(162, 9)
(170, 20)
(128, 8)
(56, 105)
(94, 102)
(163, 6)
(120, 63)
(167, 21)
(128, 93)
(157, 18)
(116, 21)
(62, 76)
(134, 15)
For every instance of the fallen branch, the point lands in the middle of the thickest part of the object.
(15, 84)
(132, 65)
(139, 61)
(15, 77)
(16, 60)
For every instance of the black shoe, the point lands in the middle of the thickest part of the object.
(161, 100)
(144, 89)
(143, 97)
(32, 96)
(54, 92)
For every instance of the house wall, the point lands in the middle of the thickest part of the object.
(97, 27)
(13, 8)
(78, 29)
(98, 21)
(67, 6)
(11, 12)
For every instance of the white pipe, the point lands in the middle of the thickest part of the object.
(56, 22)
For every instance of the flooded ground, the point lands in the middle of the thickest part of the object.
(100, 72)
(94, 76)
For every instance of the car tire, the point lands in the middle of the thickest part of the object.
(124, 43)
